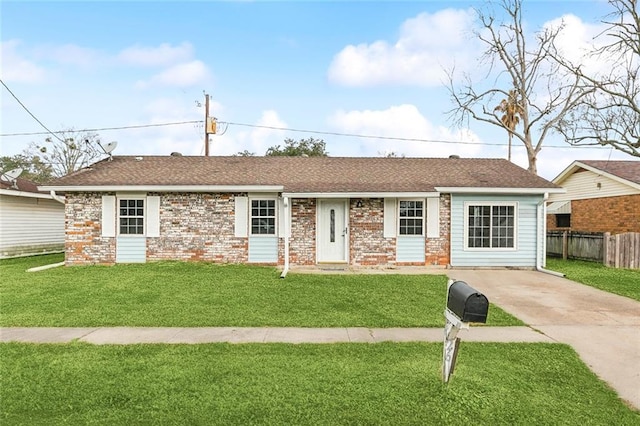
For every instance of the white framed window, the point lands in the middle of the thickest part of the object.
(263, 217)
(490, 225)
(131, 216)
(411, 217)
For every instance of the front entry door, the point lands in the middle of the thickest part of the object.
(332, 235)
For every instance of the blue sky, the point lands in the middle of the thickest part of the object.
(372, 68)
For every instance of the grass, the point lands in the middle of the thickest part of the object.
(382, 384)
(625, 282)
(177, 294)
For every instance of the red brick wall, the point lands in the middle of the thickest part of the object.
(83, 241)
(302, 245)
(438, 251)
(197, 227)
(611, 214)
(367, 245)
(200, 227)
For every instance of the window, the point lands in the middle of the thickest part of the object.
(563, 220)
(491, 226)
(411, 217)
(131, 217)
(263, 217)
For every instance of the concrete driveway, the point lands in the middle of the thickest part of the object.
(603, 328)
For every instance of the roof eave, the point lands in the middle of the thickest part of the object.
(580, 165)
(478, 190)
(361, 194)
(25, 194)
(162, 188)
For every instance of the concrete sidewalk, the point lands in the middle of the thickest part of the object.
(174, 335)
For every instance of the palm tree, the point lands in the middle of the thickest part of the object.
(512, 112)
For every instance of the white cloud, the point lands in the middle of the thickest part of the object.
(576, 40)
(256, 140)
(17, 68)
(181, 75)
(162, 55)
(402, 121)
(427, 44)
(72, 54)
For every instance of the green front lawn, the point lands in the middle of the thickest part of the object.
(176, 294)
(385, 383)
(625, 282)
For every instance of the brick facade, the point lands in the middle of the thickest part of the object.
(610, 214)
(201, 227)
(302, 245)
(438, 251)
(83, 241)
(367, 245)
(198, 227)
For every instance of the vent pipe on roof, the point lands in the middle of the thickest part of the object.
(176, 154)
(454, 156)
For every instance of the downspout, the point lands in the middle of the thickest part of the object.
(287, 226)
(541, 249)
(56, 197)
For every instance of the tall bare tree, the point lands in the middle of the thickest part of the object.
(511, 110)
(545, 94)
(69, 151)
(610, 114)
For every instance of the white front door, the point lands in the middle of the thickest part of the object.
(332, 231)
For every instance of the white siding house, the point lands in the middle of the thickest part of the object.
(31, 222)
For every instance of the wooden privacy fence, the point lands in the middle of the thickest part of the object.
(619, 251)
(575, 245)
(622, 250)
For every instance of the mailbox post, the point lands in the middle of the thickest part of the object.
(464, 305)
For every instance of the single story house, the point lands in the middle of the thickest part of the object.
(601, 196)
(294, 211)
(31, 222)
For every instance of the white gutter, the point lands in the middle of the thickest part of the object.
(478, 190)
(541, 249)
(25, 194)
(360, 194)
(56, 197)
(287, 226)
(164, 188)
(42, 268)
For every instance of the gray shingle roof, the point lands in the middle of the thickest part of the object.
(23, 185)
(629, 170)
(307, 174)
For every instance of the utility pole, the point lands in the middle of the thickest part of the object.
(206, 125)
(210, 125)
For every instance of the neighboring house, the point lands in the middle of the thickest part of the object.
(285, 211)
(31, 222)
(602, 196)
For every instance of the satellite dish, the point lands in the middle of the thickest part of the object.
(108, 148)
(12, 175)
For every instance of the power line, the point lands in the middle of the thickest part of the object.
(288, 129)
(393, 138)
(30, 113)
(354, 135)
(97, 129)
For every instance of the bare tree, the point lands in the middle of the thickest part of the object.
(544, 93)
(610, 114)
(69, 151)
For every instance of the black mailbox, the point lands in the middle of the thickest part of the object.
(467, 303)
